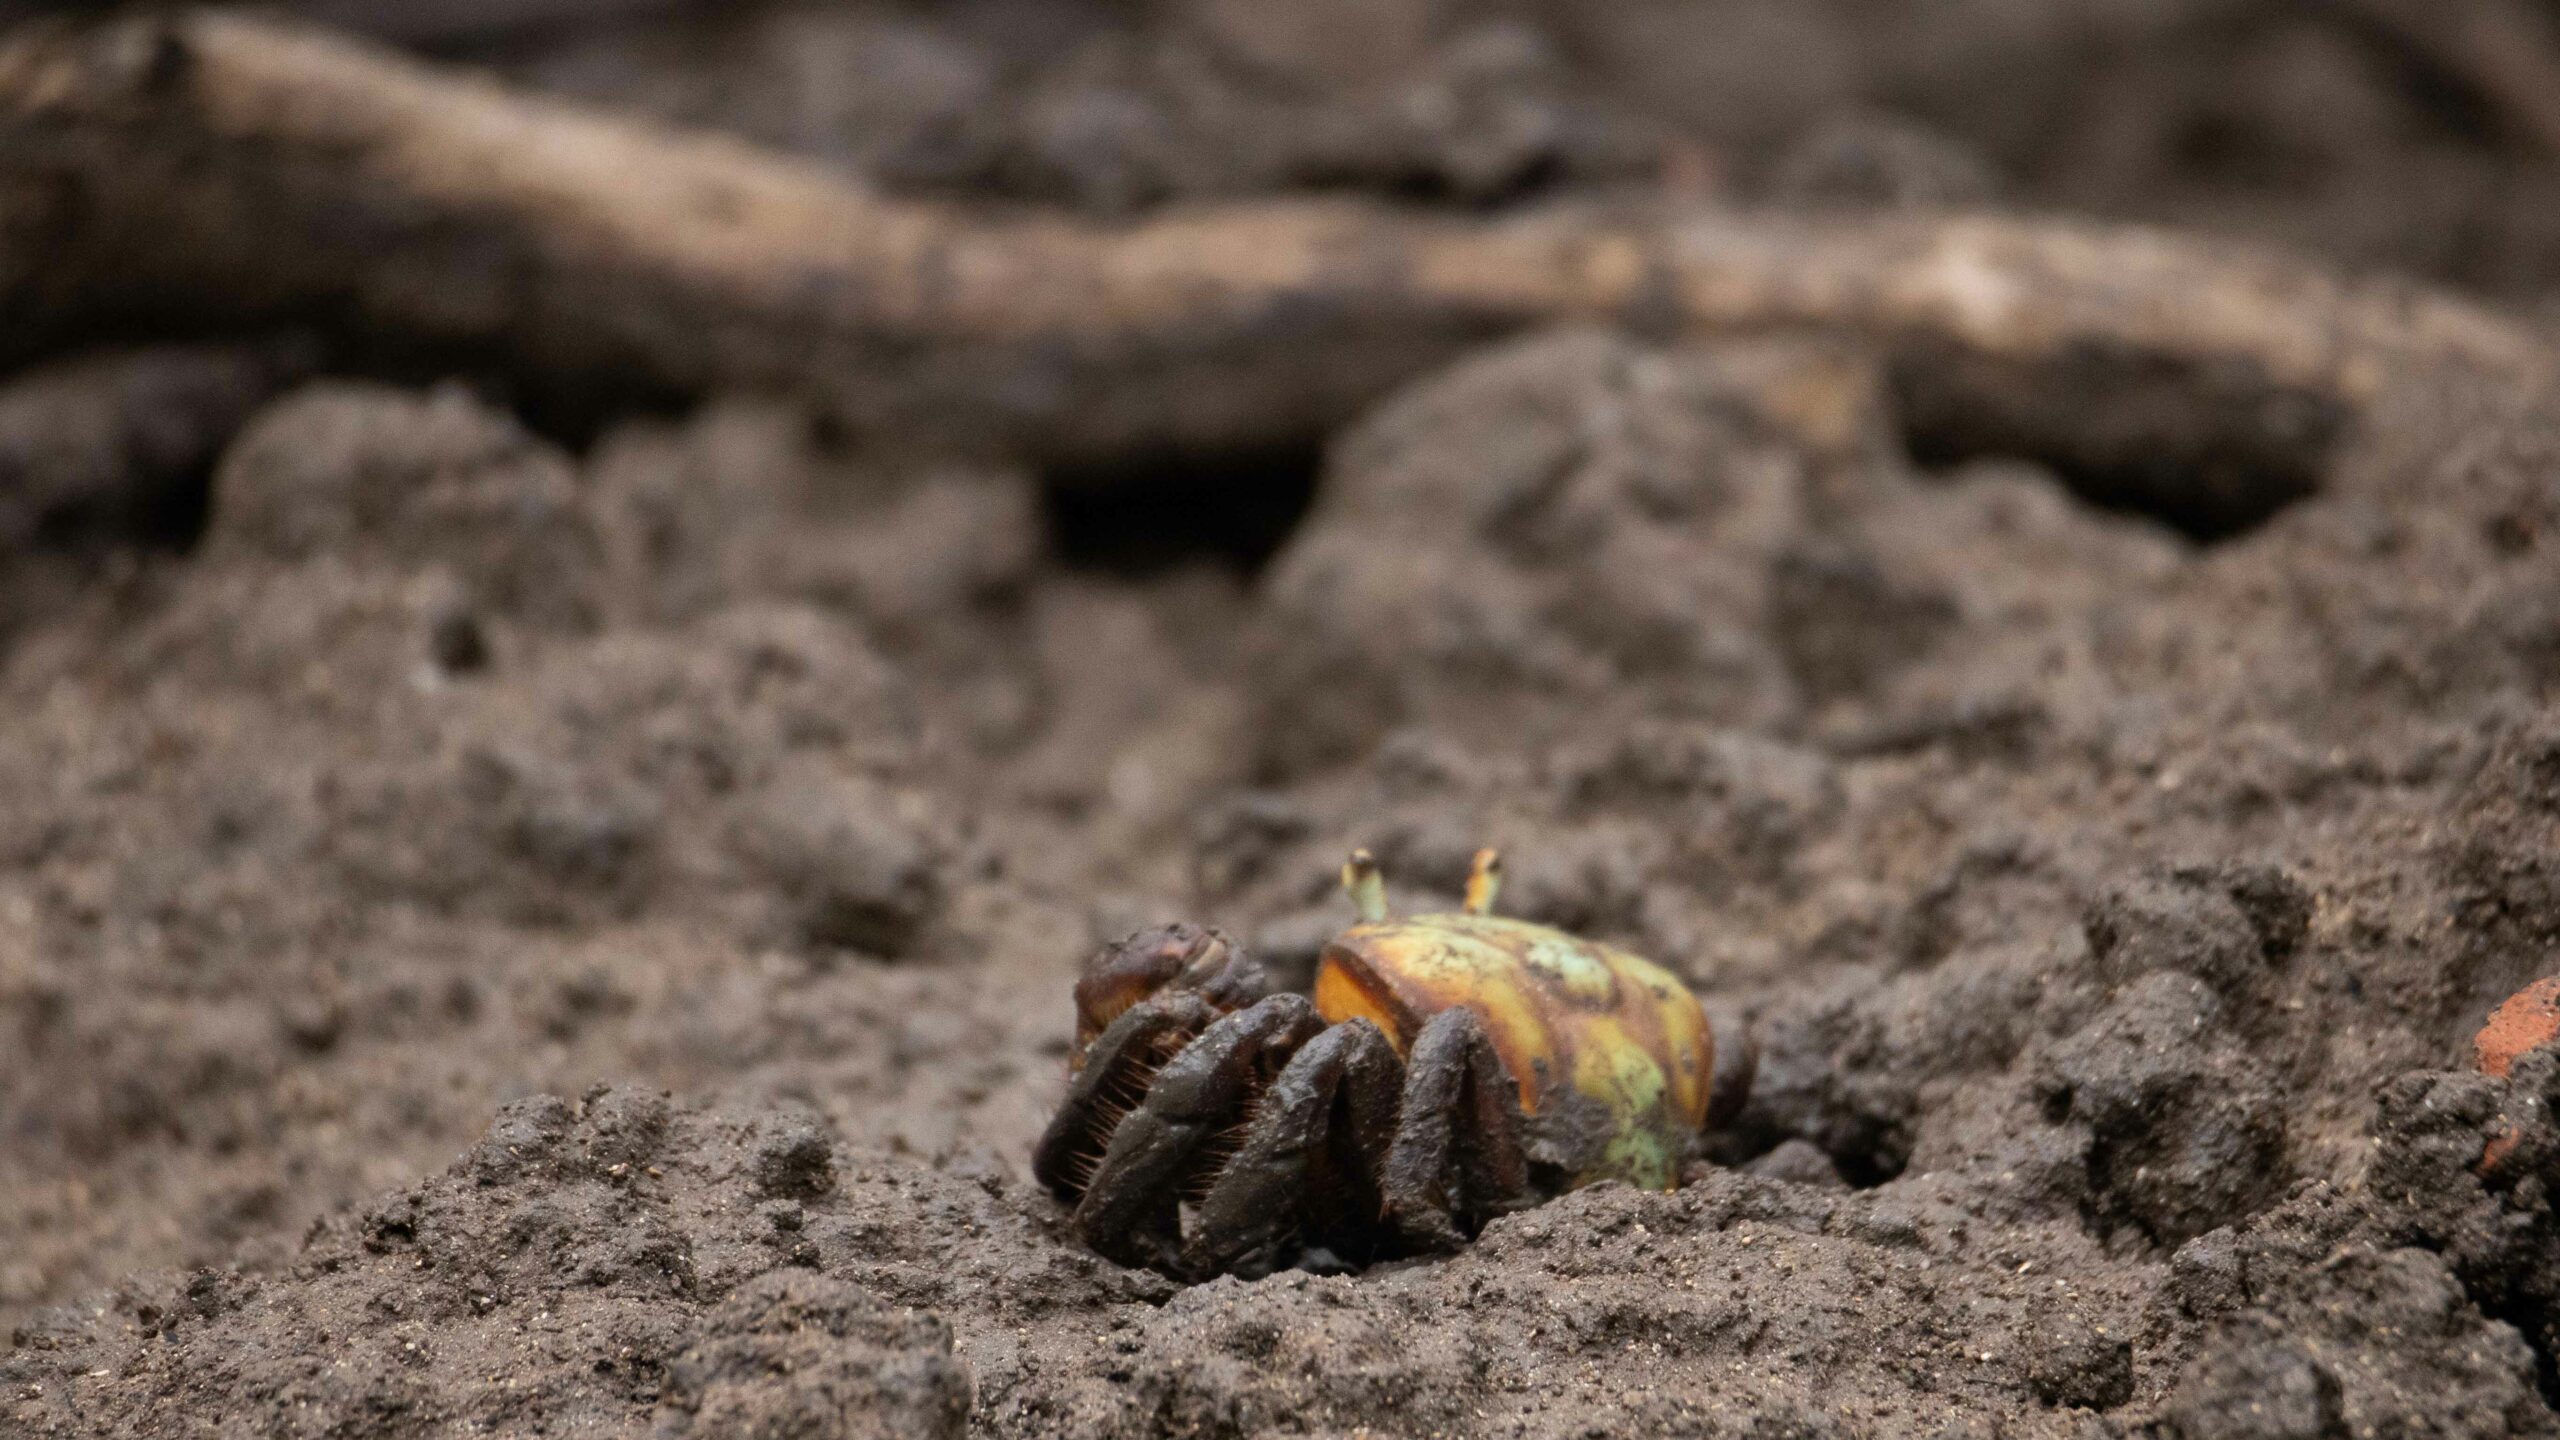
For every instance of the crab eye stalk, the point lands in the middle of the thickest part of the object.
(1367, 887)
(1484, 880)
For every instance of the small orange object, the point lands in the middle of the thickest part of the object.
(2529, 1020)
(2503, 1139)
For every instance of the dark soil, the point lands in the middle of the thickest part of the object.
(693, 823)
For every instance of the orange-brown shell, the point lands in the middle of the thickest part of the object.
(1573, 1020)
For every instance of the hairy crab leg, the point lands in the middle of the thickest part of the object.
(1457, 1159)
(1198, 1095)
(1309, 1164)
(1112, 1080)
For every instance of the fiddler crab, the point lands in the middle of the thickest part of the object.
(1450, 1068)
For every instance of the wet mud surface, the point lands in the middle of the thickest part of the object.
(510, 926)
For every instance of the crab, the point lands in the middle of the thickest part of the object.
(1449, 1068)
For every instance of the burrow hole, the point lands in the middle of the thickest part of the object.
(2212, 452)
(1162, 513)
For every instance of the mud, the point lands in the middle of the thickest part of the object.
(510, 927)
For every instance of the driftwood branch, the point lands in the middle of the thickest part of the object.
(472, 22)
(215, 167)
(2508, 51)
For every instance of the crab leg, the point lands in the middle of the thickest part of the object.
(1111, 1082)
(1309, 1165)
(1737, 1062)
(1130, 1211)
(1457, 1159)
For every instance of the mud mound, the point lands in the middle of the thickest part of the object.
(2084, 883)
(643, 1259)
(620, 1263)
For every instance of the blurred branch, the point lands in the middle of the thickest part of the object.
(213, 166)
(2508, 51)
(461, 22)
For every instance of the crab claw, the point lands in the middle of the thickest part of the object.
(1180, 957)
